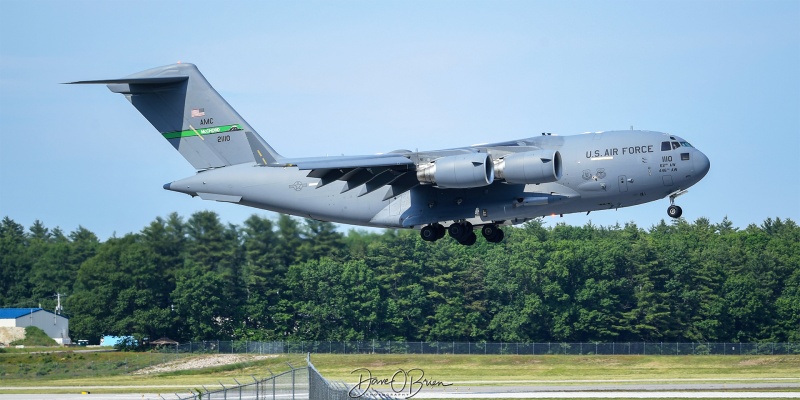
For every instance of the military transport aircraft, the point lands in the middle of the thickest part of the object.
(441, 191)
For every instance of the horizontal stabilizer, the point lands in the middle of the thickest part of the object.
(134, 81)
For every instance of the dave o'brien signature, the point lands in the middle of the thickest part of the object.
(401, 382)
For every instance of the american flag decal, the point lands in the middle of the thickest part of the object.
(198, 112)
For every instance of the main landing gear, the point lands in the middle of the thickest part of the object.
(432, 232)
(492, 233)
(462, 232)
(675, 211)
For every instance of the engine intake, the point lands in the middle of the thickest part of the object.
(458, 172)
(540, 166)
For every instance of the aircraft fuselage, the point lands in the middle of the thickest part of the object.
(606, 170)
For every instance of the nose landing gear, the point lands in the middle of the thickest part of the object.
(675, 211)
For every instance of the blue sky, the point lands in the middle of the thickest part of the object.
(362, 77)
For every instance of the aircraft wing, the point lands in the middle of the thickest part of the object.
(395, 170)
(377, 160)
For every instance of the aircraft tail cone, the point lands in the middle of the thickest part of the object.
(175, 187)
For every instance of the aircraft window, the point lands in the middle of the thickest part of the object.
(685, 156)
(675, 145)
(686, 144)
(665, 146)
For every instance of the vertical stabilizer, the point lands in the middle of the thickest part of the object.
(181, 104)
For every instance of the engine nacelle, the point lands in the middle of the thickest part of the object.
(458, 172)
(539, 166)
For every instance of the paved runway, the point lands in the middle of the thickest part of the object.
(755, 388)
(617, 390)
(612, 395)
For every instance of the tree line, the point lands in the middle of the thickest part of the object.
(291, 279)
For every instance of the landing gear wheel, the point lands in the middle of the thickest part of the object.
(456, 231)
(470, 239)
(489, 231)
(492, 233)
(429, 233)
(673, 210)
(432, 232)
(440, 230)
(459, 231)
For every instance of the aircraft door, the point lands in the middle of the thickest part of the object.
(623, 183)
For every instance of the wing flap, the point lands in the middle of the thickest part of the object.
(372, 171)
(380, 181)
(401, 185)
(360, 177)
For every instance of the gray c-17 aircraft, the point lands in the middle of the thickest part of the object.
(449, 191)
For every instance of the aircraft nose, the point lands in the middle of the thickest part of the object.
(701, 165)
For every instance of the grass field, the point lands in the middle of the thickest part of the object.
(113, 371)
(564, 368)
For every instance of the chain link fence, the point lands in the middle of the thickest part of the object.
(296, 384)
(394, 347)
(289, 385)
(307, 383)
(323, 389)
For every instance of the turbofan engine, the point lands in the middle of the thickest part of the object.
(540, 166)
(458, 172)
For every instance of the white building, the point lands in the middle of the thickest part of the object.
(55, 326)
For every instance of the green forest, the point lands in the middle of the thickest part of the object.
(197, 278)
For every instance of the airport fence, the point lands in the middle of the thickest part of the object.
(320, 388)
(292, 385)
(304, 383)
(395, 347)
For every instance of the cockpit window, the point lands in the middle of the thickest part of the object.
(667, 146)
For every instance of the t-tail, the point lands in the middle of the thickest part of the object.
(181, 104)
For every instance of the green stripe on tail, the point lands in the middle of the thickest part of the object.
(202, 131)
